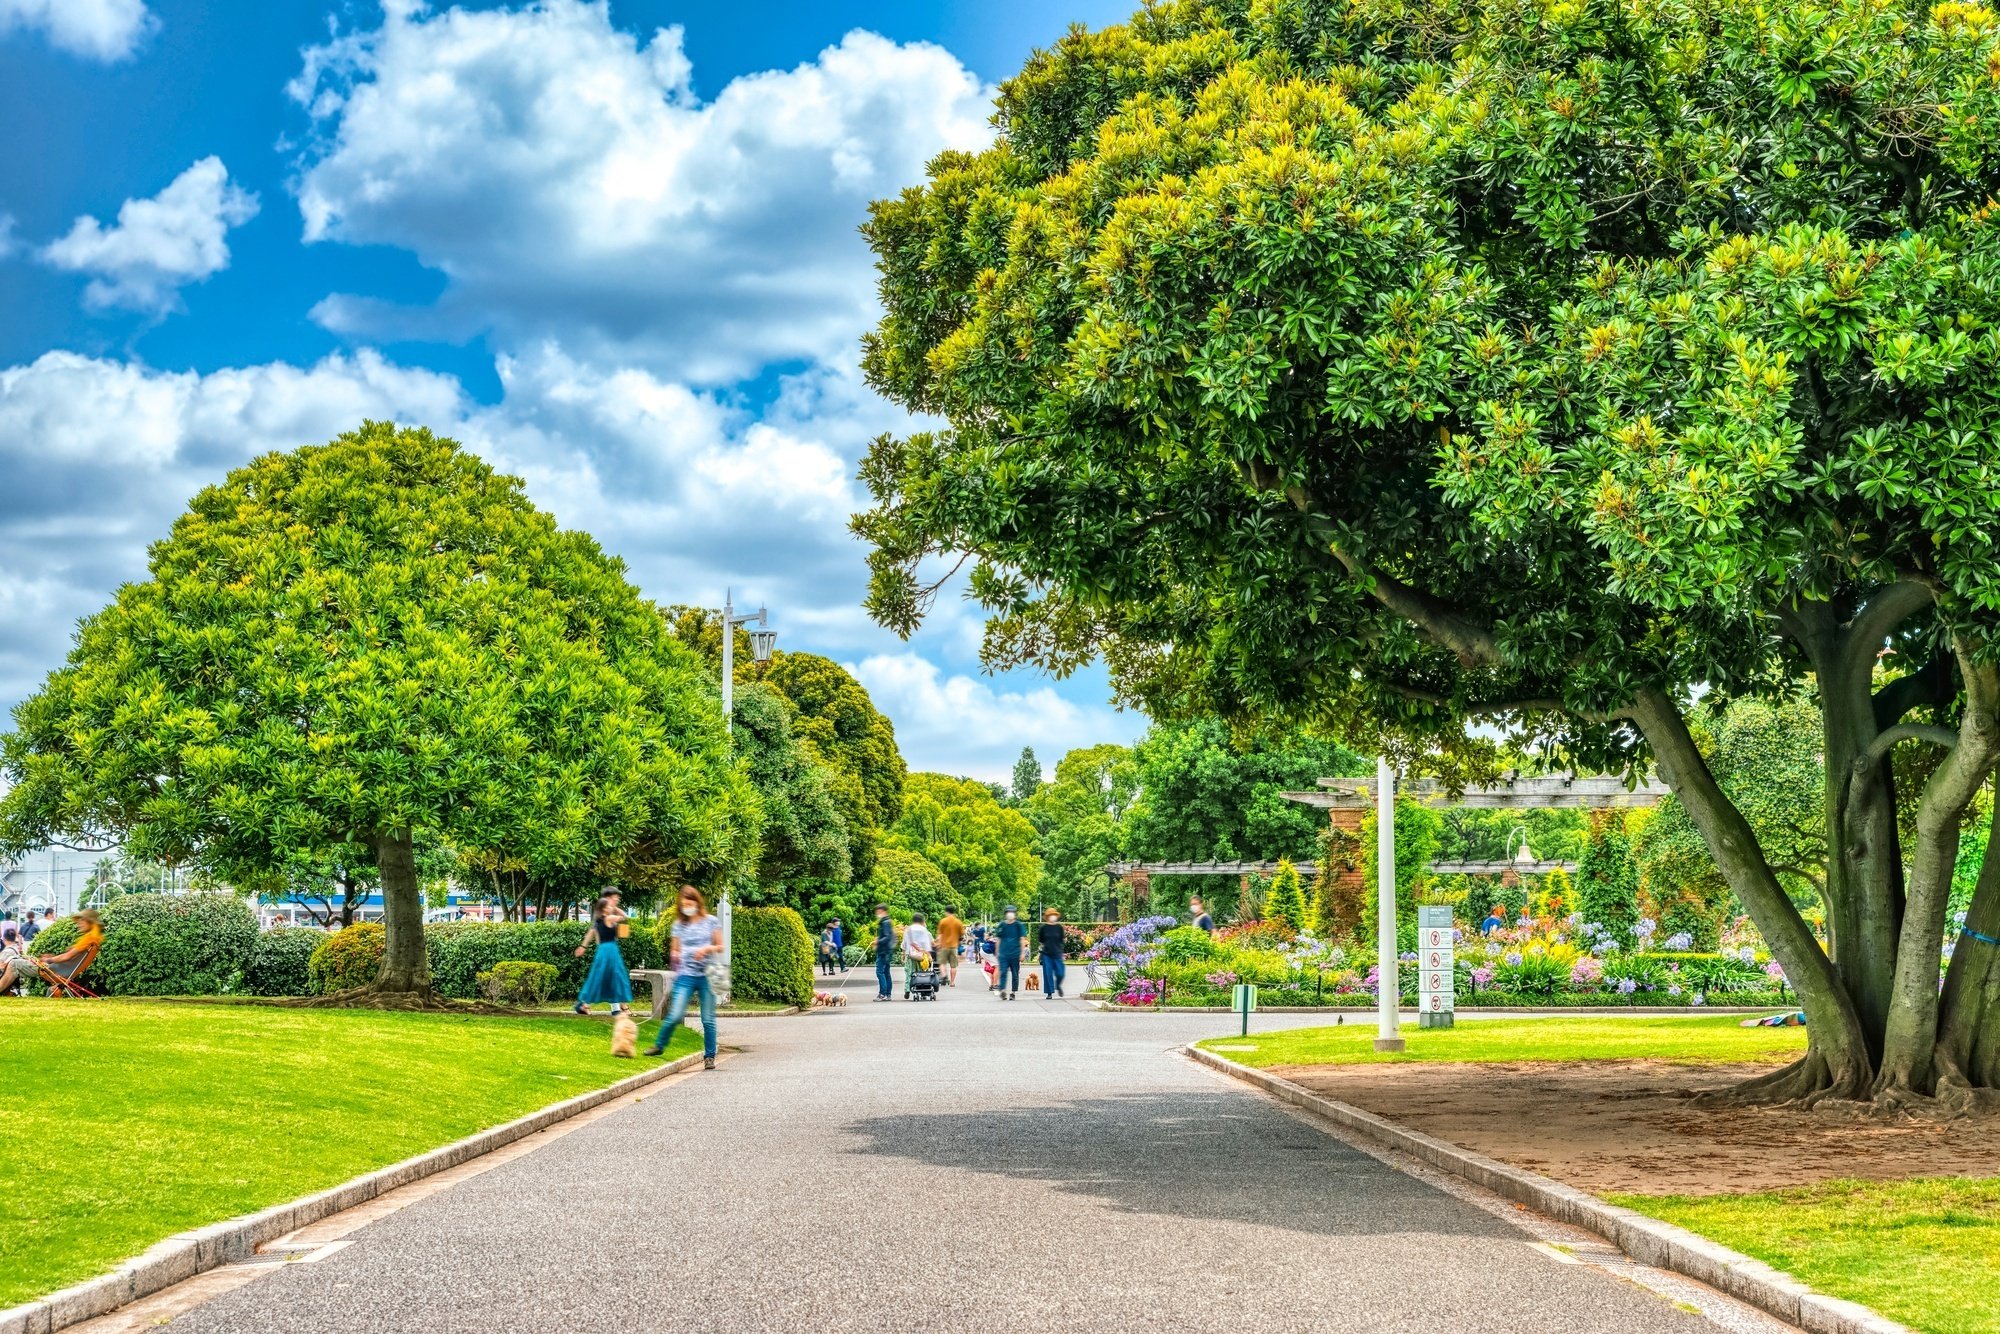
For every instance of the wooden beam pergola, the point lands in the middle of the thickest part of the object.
(1594, 792)
(1307, 870)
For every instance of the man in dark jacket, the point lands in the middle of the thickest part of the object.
(885, 952)
(1052, 939)
(1010, 934)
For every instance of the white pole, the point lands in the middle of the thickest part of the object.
(728, 663)
(1388, 990)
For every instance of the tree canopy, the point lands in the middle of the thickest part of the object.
(356, 641)
(803, 852)
(1394, 367)
(985, 849)
(1080, 824)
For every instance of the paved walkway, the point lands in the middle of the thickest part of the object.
(1004, 1166)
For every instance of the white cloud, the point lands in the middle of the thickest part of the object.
(8, 243)
(158, 245)
(107, 30)
(570, 184)
(961, 724)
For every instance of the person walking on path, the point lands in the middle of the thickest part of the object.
(1007, 956)
(885, 952)
(30, 928)
(607, 980)
(1198, 917)
(950, 931)
(695, 940)
(916, 950)
(828, 950)
(1052, 939)
(840, 944)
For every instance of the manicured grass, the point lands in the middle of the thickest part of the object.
(1925, 1252)
(123, 1122)
(1701, 1039)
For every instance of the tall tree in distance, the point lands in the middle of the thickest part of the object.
(1080, 824)
(985, 849)
(1027, 776)
(354, 642)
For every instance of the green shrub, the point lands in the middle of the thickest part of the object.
(1285, 904)
(518, 982)
(461, 951)
(771, 957)
(169, 945)
(348, 958)
(281, 961)
(1190, 944)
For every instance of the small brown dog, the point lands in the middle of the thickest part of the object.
(1034, 982)
(624, 1035)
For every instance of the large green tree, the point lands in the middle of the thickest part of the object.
(1395, 366)
(351, 642)
(985, 849)
(1080, 824)
(804, 847)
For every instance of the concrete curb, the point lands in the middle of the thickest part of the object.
(1647, 1240)
(182, 1256)
(1367, 1012)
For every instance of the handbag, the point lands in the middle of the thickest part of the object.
(624, 930)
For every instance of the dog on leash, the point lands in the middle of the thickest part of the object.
(624, 1035)
(827, 1000)
(1034, 983)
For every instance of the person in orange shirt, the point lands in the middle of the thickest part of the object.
(90, 934)
(949, 932)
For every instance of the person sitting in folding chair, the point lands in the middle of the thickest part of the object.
(60, 971)
(13, 951)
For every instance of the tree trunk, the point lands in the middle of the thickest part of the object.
(1968, 1047)
(1837, 1062)
(406, 966)
(1864, 889)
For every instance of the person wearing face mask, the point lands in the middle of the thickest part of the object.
(697, 939)
(1011, 934)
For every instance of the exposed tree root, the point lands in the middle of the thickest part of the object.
(1807, 1082)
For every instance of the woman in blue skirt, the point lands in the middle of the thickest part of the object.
(608, 980)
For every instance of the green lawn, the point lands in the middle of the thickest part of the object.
(123, 1122)
(1925, 1252)
(1697, 1039)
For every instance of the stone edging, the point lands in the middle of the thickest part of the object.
(1368, 1011)
(182, 1256)
(756, 1014)
(1645, 1239)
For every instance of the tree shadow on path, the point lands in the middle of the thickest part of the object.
(1211, 1156)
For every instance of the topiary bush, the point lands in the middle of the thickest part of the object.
(280, 962)
(518, 982)
(461, 951)
(771, 957)
(348, 958)
(174, 945)
(1189, 944)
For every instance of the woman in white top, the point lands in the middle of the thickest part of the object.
(697, 939)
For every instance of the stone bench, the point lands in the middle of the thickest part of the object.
(661, 981)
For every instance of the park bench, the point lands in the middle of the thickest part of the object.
(661, 981)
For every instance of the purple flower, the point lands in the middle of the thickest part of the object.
(1673, 988)
(1626, 986)
(1513, 959)
(1697, 999)
(1747, 954)
(1482, 977)
(1678, 943)
(1774, 971)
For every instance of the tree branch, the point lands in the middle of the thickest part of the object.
(1886, 741)
(1886, 608)
(1929, 684)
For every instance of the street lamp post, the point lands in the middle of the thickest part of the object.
(761, 640)
(1388, 983)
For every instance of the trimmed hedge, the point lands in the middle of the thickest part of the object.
(280, 962)
(461, 951)
(168, 945)
(771, 957)
(349, 958)
(516, 982)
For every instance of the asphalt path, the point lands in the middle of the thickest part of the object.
(1023, 1165)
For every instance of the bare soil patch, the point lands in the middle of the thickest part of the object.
(1612, 1126)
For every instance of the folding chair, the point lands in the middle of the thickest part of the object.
(61, 978)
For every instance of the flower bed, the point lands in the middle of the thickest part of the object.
(1565, 962)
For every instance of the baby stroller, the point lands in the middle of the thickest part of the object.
(921, 983)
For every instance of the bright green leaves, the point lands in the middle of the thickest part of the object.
(379, 633)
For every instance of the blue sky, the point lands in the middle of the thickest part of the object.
(612, 248)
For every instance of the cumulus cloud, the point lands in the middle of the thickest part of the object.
(967, 725)
(570, 184)
(158, 245)
(107, 30)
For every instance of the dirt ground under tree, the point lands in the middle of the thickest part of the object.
(1628, 1126)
